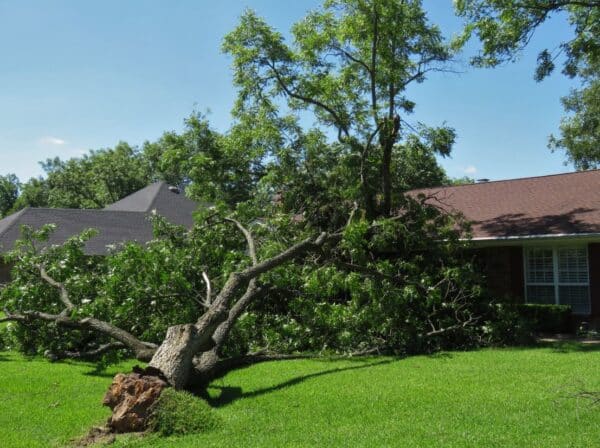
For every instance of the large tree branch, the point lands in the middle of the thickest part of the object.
(236, 279)
(86, 354)
(143, 350)
(175, 356)
(437, 331)
(252, 291)
(64, 294)
(248, 237)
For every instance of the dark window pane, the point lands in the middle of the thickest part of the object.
(540, 294)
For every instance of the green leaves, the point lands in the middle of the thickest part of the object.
(505, 27)
(348, 66)
(580, 131)
(9, 192)
(96, 179)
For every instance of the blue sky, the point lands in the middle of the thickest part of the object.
(80, 75)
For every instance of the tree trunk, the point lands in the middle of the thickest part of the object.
(189, 354)
(386, 175)
(174, 357)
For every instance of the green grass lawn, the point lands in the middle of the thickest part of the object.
(487, 398)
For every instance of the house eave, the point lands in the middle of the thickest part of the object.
(523, 239)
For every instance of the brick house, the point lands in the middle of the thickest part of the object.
(538, 238)
(125, 220)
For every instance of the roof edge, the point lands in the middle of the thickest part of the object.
(443, 187)
(15, 217)
(533, 237)
(161, 185)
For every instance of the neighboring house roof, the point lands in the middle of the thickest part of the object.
(167, 201)
(125, 220)
(555, 205)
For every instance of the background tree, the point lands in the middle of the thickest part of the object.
(96, 179)
(580, 130)
(34, 193)
(505, 27)
(9, 192)
(212, 167)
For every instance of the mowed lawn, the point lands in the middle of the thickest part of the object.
(486, 398)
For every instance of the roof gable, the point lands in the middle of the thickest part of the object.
(140, 201)
(164, 200)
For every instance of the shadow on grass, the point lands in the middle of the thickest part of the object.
(229, 394)
(566, 346)
(573, 347)
(100, 371)
(440, 355)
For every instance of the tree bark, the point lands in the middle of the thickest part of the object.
(175, 356)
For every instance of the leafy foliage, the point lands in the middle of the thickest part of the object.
(27, 290)
(96, 179)
(391, 288)
(370, 295)
(580, 131)
(34, 193)
(179, 413)
(163, 279)
(349, 65)
(9, 192)
(506, 26)
(214, 167)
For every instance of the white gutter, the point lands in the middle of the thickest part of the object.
(534, 237)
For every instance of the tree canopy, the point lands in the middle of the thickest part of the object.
(311, 245)
(349, 64)
(505, 27)
(9, 192)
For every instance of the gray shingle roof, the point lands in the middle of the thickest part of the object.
(125, 220)
(159, 197)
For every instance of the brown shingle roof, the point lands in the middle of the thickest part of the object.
(547, 205)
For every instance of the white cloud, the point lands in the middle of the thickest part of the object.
(52, 141)
(470, 169)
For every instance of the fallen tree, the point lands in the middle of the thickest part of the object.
(191, 354)
(338, 261)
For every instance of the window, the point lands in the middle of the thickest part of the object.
(558, 276)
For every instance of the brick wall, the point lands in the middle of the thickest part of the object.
(503, 268)
(594, 266)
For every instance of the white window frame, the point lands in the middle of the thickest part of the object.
(556, 273)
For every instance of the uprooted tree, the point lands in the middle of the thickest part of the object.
(397, 301)
(326, 251)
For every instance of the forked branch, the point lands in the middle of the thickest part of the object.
(64, 294)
